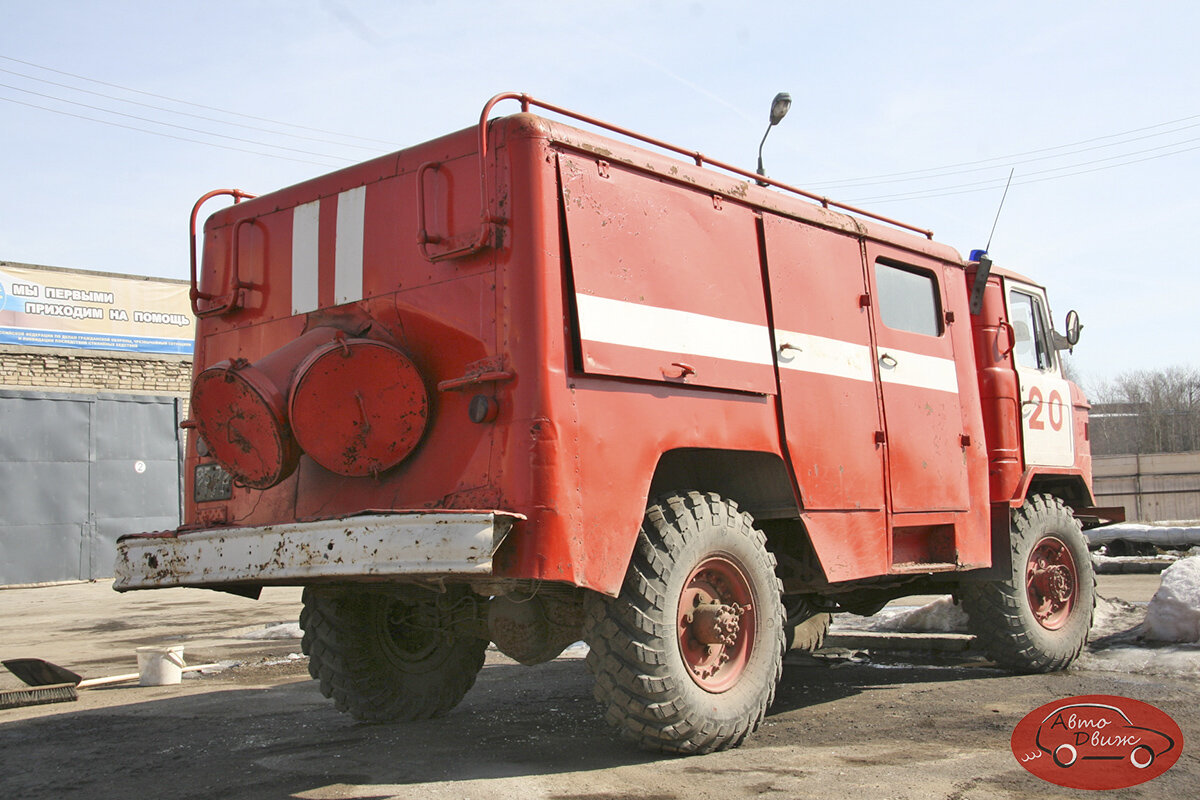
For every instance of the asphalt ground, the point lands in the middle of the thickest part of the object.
(901, 725)
(95, 631)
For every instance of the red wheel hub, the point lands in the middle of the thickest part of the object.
(716, 623)
(1051, 579)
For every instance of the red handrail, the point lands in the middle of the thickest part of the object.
(195, 294)
(699, 158)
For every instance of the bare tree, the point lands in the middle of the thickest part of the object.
(1068, 368)
(1147, 411)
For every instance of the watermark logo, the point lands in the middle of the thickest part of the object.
(1097, 741)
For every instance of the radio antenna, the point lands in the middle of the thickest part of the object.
(998, 210)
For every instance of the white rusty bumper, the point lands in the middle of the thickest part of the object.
(371, 546)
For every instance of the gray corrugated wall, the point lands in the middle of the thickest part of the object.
(1152, 487)
(76, 472)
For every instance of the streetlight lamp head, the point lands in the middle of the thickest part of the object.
(780, 106)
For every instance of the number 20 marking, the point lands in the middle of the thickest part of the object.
(1054, 414)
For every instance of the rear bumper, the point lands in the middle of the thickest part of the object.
(411, 544)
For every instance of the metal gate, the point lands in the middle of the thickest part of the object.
(78, 471)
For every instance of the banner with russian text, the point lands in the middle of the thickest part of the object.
(44, 307)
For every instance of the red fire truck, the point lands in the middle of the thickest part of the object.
(529, 384)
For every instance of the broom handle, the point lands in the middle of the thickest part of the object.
(132, 676)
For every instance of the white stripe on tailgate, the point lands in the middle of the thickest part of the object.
(913, 369)
(808, 353)
(666, 329)
(348, 249)
(305, 240)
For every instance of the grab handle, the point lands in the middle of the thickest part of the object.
(229, 300)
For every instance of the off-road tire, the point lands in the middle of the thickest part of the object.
(1001, 613)
(809, 634)
(638, 639)
(408, 668)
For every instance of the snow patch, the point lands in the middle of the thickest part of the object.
(276, 630)
(577, 650)
(1099, 560)
(1115, 616)
(275, 662)
(1171, 660)
(940, 616)
(1174, 612)
(1160, 535)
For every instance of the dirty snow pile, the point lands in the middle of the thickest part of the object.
(1174, 612)
(1160, 535)
(273, 631)
(1162, 638)
(940, 616)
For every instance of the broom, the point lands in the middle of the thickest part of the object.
(38, 696)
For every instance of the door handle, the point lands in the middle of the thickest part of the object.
(888, 361)
(680, 372)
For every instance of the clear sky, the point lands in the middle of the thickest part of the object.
(916, 110)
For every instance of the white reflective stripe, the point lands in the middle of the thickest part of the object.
(921, 371)
(808, 353)
(305, 240)
(619, 322)
(348, 249)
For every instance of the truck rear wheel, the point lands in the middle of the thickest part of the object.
(804, 628)
(687, 656)
(388, 656)
(1038, 620)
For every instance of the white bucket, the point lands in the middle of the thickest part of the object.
(160, 666)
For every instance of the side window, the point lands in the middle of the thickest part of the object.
(908, 299)
(1031, 343)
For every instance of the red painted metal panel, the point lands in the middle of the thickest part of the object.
(443, 316)
(919, 384)
(972, 529)
(830, 405)
(850, 544)
(657, 248)
(327, 244)
(999, 395)
(1083, 445)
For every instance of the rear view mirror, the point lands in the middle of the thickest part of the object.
(1073, 326)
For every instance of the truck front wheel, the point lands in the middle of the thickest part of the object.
(388, 656)
(1038, 620)
(687, 656)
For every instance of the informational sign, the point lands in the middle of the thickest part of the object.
(45, 307)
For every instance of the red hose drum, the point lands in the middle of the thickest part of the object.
(241, 415)
(358, 407)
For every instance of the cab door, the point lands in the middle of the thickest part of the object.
(918, 380)
(1046, 419)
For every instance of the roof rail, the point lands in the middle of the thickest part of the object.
(488, 220)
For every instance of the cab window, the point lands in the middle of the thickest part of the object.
(1031, 347)
(908, 299)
